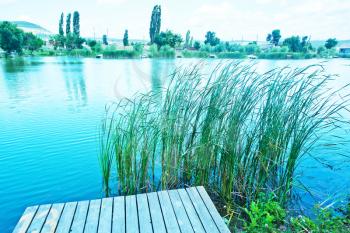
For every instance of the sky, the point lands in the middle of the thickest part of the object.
(230, 19)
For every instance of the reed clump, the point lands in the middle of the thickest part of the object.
(234, 130)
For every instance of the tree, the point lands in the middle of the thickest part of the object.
(168, 38)
(154, 28)
(104, 40)
(60, 26)
(269, 37)
(68, 24)
(197, 45)
(57, 41)
(11, 38)
(91, 43)
(274, 37)
(293, 43)
(187, 40)
(126, 38)
(76, 24)
(296, 45)
(210, 38)
(32, 42)
(191, 42)
(331, 43)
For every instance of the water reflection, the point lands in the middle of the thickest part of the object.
(17, 76)
(73, 75)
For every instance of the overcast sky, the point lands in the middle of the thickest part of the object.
(234, 19)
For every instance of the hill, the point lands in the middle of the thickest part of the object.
(34, 28)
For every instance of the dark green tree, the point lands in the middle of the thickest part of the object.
(331, 43)
(60, 26)
(126, 38)
(154, 28)
(68, 23)
(32, 42)
(92, 43)
(76, 24)
(11, 38)
(274, 37)
(104, 40)
(293, 43)
(188, 38)
(210, 38)
(197, 45)
(168, 38)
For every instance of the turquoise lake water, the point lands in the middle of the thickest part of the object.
(51, 110)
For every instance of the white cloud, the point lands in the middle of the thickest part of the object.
(110, 2)
(6, 2)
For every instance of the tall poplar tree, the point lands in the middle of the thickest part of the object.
(60, 26)
(126, 38)
(155, 23)
(68, 23)
(76, 23)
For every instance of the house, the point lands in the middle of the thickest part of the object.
(344, 50)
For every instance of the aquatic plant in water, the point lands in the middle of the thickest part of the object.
(235, 131)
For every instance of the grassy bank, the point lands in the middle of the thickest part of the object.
(239, 133)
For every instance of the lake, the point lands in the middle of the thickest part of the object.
(50, 114)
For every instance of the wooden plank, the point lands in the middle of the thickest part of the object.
(66, 218)
(132, 225)
(180, 212)
(191, 211)
(93, 216)
(105, 222)
(39, 218)
(52, 218)
(204, 215)
(212, 210)
(25, 220)
(144, 215)
(168, 213)
(80, 217)
(156, 213)
(118, 223)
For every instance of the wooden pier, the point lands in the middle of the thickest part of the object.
(179, 211)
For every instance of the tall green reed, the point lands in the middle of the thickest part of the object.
(235, 130)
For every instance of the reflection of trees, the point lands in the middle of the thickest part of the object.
(75, 83)
(15, 75)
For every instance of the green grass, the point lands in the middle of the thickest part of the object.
(235, 131)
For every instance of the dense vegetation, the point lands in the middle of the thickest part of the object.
(239, 133)
(13, 39)
(169, 44)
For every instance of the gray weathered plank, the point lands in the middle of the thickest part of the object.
(93, 216)
(180, 212)
(52, 219)
(105, 222)
(144, 215)
(212, 210)
(39, 219)
(132, 225)
(156, 213)
(168, 213)
(118, 224)
(203, 213)
(66, 217)
(26, 219)
(80, 217)
(191, 212)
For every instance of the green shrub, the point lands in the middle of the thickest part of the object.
(264, 215)
(197, 54)
(233, 55)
